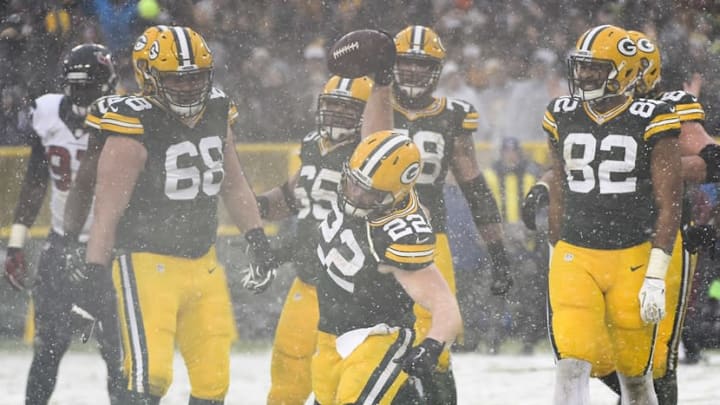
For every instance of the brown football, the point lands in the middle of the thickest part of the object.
(361, 53)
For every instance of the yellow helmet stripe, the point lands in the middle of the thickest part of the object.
(418, 37)
(184, 48)
(385, 149)
(590, 37)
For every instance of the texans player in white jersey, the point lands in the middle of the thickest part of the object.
(58, 143)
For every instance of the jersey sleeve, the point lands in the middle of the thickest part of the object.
(466, 112)
(405, 242)
(549, 123)
(123, 118)
(663, 122)
(687, 106)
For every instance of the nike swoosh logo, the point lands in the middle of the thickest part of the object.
(633, 268)
(211, 270)
(423, 240)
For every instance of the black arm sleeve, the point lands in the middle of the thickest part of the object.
(34, 185)
(483, 207)
(711, 155)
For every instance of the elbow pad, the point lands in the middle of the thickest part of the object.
(711, 155)
(483, 207)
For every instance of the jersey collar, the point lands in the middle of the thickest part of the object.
(601, 118)
(434, 108)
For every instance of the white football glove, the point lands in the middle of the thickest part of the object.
(652, 300)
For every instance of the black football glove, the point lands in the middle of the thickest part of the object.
(74, 255)
(385, 72)
(420, 361)
(16, 268)
(537, 198)
(261, 272)
(96, 294)
(501, 278)
(698, 237)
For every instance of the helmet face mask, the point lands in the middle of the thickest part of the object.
(359, 198)
(590, 77)
(339, 117)
(417, 75)
(340, 108)
(88, 74)
(184, 92)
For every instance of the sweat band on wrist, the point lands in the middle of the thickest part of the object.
(18, 235)
(658, 264)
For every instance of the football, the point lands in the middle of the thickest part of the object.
(361, 53)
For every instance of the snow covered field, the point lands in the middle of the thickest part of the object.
(482, 380)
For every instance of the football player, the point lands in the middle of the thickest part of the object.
(59, 141)
(614, 213)
(442, 128)
(168, 157)
(308, 194)
(699, 165)
(376, 252)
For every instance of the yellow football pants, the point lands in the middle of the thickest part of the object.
(164, 301)
(294, 345)
(369, 375)
(595, 310)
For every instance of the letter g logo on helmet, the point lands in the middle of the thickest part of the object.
(627, 47)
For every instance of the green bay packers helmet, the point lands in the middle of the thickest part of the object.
(340, 107)
(180, 67)
(380, 173)
(419, 62)
(650, 63)
(604, 63)
(141, 61)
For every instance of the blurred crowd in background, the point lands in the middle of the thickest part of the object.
(506, 58)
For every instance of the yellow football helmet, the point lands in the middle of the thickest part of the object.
(650, 63)
(604, 63)
(180, 70)
(140, 60)
(419, 62)
(380, 174)
(340, 107)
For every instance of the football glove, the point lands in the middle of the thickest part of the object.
(261, 272)
(652, 300)
(699, 237)
(16, 268)
(97, 294)
(74, 254)
(420, 361)
(501, 278)
(537, 198)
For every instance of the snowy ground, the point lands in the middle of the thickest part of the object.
(482, 379)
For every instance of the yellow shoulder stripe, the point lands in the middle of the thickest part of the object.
(121, 124)
(690, 112)
(405, 249)
(398, 256)
(662, 123)
(92, 121)
(550, 126)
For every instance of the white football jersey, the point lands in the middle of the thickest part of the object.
(64, 147)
